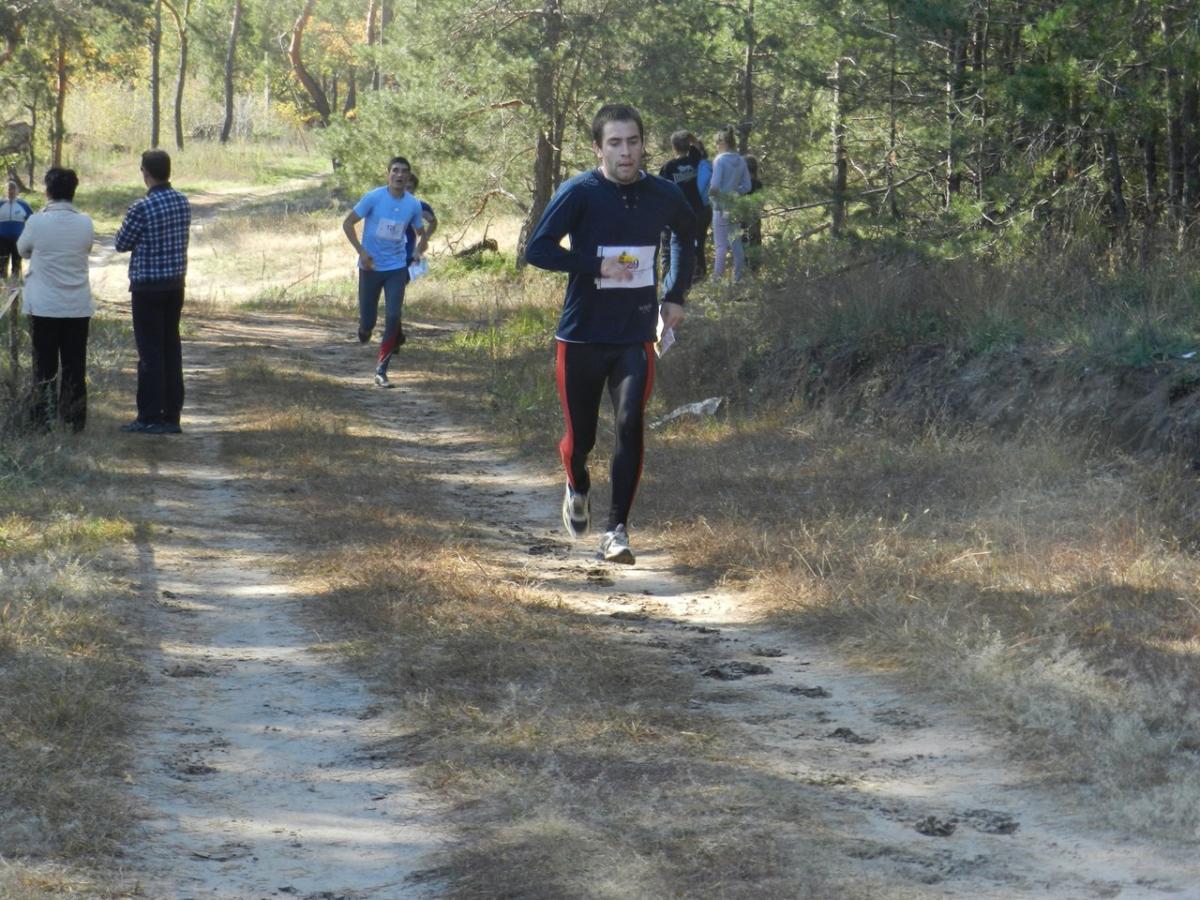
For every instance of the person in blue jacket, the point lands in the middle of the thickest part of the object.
(613, 215)
(13, 213)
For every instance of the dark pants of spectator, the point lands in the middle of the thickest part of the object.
(8, 251)
(702, 242)
(59, 354)
(156, 317)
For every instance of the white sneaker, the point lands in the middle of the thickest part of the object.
(381, 380)
(614, 547)
(576, 512)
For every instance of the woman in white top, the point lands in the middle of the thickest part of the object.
(730, 178)
(58, 300)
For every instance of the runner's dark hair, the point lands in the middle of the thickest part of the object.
(615, 112)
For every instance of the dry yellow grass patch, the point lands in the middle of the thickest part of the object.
(68, 660)
(1048, 587)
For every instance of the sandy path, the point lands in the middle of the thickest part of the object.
(255, 759)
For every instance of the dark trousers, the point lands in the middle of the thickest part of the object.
(59, 355)
(391, 283)
(8, 251)
(156, 317)
(583, 371)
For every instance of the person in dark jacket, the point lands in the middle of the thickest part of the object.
(682, 171)
(613, 215)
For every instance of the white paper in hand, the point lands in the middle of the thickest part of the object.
(666, 337)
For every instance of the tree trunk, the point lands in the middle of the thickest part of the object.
(351, 90)
(893, 129)
(315, 92)
(1175, 166)
(230, 60)
(155, 53)
(1116, 190)
(544, 100)
(60, 101)
(981, 39)
(372, 12)
(957, 65)
(837, 209)
(1189, 117)
(181, 27)
(747, 123)
(33, 125)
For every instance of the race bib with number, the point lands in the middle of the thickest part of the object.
(638, 261)
(390, 230)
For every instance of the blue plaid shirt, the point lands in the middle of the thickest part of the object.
(156, 230)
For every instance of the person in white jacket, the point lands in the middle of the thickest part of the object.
(58, 300)
(730, 179)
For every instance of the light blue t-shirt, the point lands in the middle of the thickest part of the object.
(385, 220)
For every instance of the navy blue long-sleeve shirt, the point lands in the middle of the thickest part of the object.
(604, 218)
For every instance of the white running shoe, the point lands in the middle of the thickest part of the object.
(381, 379)
(576, 512)
(614, 547)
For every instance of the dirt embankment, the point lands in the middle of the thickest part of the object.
(1153, 409)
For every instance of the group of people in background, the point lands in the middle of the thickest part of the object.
(711, 187)
(57, 297)
(617, 217)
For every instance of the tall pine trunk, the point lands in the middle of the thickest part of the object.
(545, 100)
(747, 123)
(837, 209)
(60, 100)
(155, 54)
(230, 60)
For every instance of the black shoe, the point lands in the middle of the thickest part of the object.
(137, 426)
(363, 335)
(171, 428)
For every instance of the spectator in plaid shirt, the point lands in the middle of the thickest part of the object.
(156, 230)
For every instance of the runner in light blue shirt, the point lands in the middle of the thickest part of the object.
(386, 213)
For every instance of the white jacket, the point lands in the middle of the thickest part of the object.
(57, 240)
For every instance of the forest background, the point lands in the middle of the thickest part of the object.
(936, 127)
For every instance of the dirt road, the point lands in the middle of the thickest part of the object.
(257, 765)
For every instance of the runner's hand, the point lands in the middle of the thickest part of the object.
(611, 267)
(368, 261)
(672, 315)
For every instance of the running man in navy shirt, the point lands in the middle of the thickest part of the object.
(613, 216)
(386, 213)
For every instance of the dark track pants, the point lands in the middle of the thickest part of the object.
(59, 354)
(583, 372)
(392, 284)
(156, 317)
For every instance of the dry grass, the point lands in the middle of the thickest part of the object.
(1045, 581)
(570, 759)
(1048, 588)
(69, 648)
